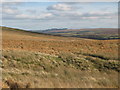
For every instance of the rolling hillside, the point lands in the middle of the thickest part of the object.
(33, 60)
(96, 33)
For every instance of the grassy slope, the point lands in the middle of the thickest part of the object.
(37, 60)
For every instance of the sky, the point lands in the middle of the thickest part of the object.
(47, 15)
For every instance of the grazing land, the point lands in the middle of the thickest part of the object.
(35, 60)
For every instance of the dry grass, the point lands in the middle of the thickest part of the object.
(44, 61)
(49, 71)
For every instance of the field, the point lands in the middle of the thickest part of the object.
(33, 60)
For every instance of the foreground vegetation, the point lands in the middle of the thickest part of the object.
(32, 69)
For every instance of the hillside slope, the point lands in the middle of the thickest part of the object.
(38, 60)
(95, 33)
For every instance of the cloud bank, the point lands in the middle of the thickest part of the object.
(60, 12)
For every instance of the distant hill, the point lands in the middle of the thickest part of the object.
(96, 33)
(9, 33)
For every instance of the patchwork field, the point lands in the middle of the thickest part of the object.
(32, 60)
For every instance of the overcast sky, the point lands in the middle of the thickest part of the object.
(46, 15)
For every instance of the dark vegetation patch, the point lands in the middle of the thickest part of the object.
(97, 56)
(103, 65)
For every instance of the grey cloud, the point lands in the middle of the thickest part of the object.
(60, 7)
(64, 6)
